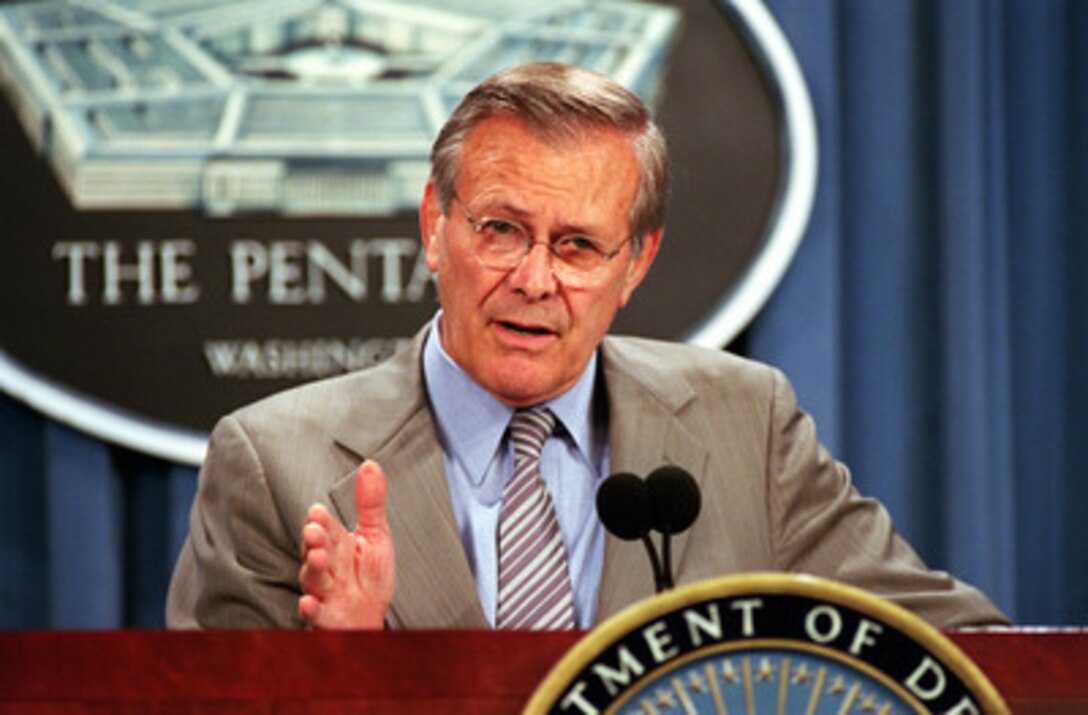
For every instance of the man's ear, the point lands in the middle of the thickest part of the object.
(640, 264)
(430, 215)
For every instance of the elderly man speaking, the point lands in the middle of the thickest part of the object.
(453, 486)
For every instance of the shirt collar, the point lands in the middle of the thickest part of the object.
(472, 421)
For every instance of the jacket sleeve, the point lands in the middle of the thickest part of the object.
(822, 526)
(239, 566)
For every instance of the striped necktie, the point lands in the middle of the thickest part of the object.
(534, 582)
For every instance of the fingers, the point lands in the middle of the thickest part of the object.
(316, 577)
(370, 499)
(320, 516)
(309, 609)
(322, 536)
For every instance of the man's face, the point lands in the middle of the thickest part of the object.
(521, 333)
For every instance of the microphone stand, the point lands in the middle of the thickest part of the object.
(666, 561)
(661, 578)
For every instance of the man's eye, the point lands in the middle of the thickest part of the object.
(578, 244)
(498, 227)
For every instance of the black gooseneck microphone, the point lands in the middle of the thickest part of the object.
(623, 504)
(667, 501)
(675, 502)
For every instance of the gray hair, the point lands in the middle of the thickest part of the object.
(559, 102)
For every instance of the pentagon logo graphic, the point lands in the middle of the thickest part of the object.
(207, 201)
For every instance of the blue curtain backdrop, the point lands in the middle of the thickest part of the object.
(935, 322)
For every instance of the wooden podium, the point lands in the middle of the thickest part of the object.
(45, 672)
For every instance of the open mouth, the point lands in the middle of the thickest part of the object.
(525, 329)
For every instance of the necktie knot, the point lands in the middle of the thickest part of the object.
(529, 429)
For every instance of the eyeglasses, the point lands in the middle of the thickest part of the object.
(504, 243)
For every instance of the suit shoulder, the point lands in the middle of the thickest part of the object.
(701, 367)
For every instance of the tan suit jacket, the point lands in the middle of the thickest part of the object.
(773, 499)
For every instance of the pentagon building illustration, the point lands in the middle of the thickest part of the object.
(295, 107)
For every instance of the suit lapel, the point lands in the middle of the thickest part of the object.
(435, 588)
(645, 432)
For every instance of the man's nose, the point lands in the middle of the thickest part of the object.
(535, 275)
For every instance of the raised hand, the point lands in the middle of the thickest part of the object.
(347, 577)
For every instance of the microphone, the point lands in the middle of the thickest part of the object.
(675, 500)
(623, 504)
(667, 501)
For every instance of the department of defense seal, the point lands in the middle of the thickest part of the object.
(766, 643)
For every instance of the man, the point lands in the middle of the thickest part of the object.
(543, 214)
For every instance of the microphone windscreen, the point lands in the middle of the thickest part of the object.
(624, 506)
(674, 499)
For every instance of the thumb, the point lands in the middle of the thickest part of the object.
(370, 497)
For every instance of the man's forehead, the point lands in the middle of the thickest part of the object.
(504, 155)
(560, 138)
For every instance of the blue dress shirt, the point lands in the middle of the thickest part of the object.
(478, 460)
